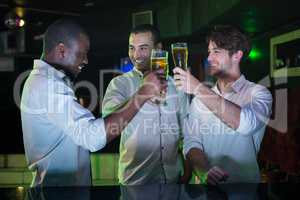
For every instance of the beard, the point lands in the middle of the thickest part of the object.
(142, 66)
(217, 70)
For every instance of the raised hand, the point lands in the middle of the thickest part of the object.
(185, 81)
(153, 83)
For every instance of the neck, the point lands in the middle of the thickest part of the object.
(60, 67)
(143, 71)
(224, 83)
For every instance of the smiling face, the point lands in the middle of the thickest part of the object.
(139, 50)
(76, 55)
(219, 60)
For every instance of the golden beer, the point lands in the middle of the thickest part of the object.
(159, 60)
(180, 55)
(160, 63)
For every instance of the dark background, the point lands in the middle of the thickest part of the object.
(109, 22)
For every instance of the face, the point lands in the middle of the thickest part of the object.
(139, 50)
(219, 60)
(76, 56)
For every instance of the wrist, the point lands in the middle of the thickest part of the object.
(196, 90)
(143, 93)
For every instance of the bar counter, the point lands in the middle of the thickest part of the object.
(155, 192)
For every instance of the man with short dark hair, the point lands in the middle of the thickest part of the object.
(226, 123)
(149, 144)
(58, 132)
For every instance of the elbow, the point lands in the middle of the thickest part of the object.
(250, 122)
(96, 138)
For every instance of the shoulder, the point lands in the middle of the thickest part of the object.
(256, 88)
(42, 83)
(256, 91)
(36, 81)
(123, 78)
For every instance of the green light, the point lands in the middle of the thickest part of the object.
(255, 54)
(250, 25)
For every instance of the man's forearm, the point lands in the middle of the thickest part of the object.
(197, 159)
(225, 110)
(117, 121)
(187, 172)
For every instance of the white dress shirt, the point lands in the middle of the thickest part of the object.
(234, 151)
(149, 143)
(58, 132)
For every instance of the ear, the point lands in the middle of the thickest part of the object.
(237, 56)
(158, 45)
(60, 50)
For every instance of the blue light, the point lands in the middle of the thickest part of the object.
(205, 63)
(126, 68)
(126, 65)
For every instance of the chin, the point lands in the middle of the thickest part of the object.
(212, 72)
(142, 68)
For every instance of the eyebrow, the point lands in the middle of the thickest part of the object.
(142, 45)
(215, 48)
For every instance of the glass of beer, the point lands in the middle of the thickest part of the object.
(159, 60)
(180, 54)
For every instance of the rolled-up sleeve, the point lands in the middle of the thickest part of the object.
(183, 109)
(114, 97)
(255, 115)
(192, 137)
(75, 121)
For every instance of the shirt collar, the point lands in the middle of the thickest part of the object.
(42, 66)
(236, 86)
(138, 72)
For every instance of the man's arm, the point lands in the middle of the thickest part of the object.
(194, 153)
(183, 103)
(200, 165)
(116, 121)
(198, 160)
(253, 116)
(187, 171)
(225, 110)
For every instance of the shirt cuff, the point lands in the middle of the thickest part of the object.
(187, 149)
(244, 126)
(99, 131)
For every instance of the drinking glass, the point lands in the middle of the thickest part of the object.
(159, 60)
(180, 54)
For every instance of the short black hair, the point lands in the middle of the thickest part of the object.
(143, 28)
(230, 38)
(62, 31)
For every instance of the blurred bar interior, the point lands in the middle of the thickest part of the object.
(273, 26)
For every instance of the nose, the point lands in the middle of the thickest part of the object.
(209, 57)
(136, 54)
